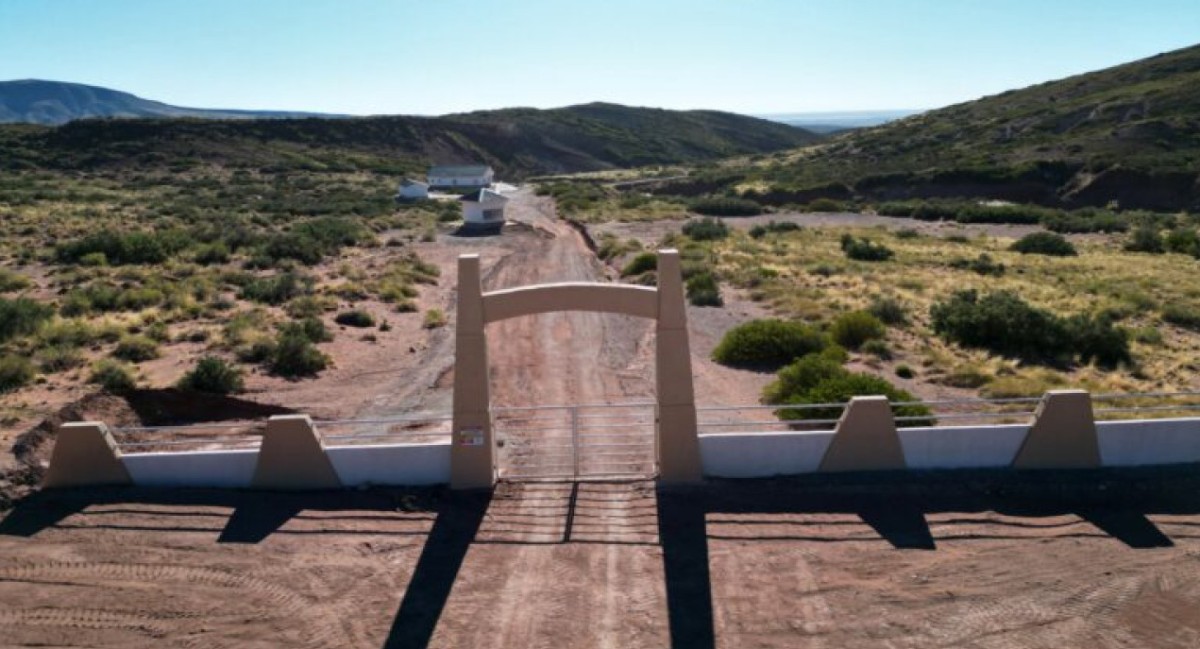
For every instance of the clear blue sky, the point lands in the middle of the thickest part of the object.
(437, 56)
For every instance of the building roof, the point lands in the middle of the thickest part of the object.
(483, 196)
(409, 182)
(459, 171)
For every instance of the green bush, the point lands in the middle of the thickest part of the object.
(113, 376)
(760, 231)
(706, 229)
(355, 318)
(817, 378)
(703, 290)
(852, 329)
(877, 348)
(213, 375)
(15, 372)
(22, 317)
(642, 263)
(311, 328)
(1044, 243)
(905, 372)
(824, 205)
(10, 281)
(1180, 315)
(865, 249)
(982, 265)
(294, 356)
(726, 206)
(1145, 238)
(1004, 324)
(1184, 241)
(768, 344)
(434, 318)
(136, 349)
(59, 358)
(213, 253)
(125, 248)
(275, 290)
(889, 310)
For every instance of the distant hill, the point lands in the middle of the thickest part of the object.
(1129, 134)
(56, 102)
(832, 122)
(518, 142)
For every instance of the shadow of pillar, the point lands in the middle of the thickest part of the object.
(458, 520)
(682, 532)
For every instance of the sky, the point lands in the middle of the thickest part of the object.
(441, 56)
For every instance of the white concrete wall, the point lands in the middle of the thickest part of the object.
(384, 464)
(961, 447)
(392, 464)
(1151, 441)
(760, 455)
(226, 469)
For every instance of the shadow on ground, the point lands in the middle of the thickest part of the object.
(681, 520)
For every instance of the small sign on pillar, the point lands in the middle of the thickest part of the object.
(470, 436)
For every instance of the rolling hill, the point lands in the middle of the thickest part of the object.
(519, 142)
(35, 101)
(1128, 134)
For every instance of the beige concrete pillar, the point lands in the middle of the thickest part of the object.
(292, 456)
(865, 438)
(678, 442)
(472, 456)
(85, 455)
(1063, 434)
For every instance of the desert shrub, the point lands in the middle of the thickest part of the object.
(355, 318)
(136, 348)
(1184, 241)
(1004, 324)
(853, 328)
(905, 372)
(213, 375)
(703, 290)
(773, 227)
(309, 306)
(865, 249)
(982, 265)
(1180, 315)
(125, 248)
(1145, 238)
(725, 206)
(311, 241)
(768, 343)
(15, 372)
(294, 356)
(275, 290)
(888, 310)
(1044, 243)
(1148, 336)
(824, 205)
(434, 318)
(706, 229)
(1095, 339)
(878, 349)
(1000, 322)
(11, 281)
(59, 358)
(642, 263)
(817, 378)
(212, 253)
(21, 317)
(907, 233)
(113, 376)
(311, 328)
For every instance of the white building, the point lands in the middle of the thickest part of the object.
(483, 211)
(460, 176)
(412, 190)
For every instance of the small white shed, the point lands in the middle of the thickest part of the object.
(460, 176)
(412, 190)
(483, 211)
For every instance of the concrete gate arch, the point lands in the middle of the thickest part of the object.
(473, 455)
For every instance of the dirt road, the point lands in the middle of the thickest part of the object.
(763, 564)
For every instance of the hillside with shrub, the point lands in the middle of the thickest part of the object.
(518, 142)
(1127, 135)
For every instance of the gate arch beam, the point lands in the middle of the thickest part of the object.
(637, 301)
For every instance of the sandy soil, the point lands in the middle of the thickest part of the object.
(961, 563)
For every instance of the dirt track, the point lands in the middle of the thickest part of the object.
(770, 564)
